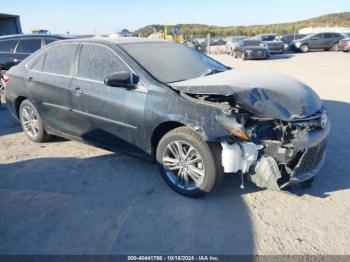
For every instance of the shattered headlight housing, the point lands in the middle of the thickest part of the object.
(234, 127)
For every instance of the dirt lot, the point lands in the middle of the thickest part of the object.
(65, 197)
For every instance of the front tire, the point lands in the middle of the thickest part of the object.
(31, 122)
(305, 48)
(188, 164)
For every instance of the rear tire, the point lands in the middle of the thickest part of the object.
(31, 122)
(198, 173)
(335, 47)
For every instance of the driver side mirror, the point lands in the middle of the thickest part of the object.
(122, 79)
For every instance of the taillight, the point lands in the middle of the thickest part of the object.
(5, 80)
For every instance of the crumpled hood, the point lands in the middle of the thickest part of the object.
(263, 93)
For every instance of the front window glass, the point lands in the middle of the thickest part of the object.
(172, 62)
(97, 62)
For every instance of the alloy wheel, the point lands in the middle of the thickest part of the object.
(30, 121)
(335, 47)
(183, 165)
(305, 48)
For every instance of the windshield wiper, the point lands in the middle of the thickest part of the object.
(210, 71)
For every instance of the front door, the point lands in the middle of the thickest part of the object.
(109, 116)
(316, 41)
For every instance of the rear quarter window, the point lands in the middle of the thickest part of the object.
(60, 58)
(8, 45)
(37, 63)
(96, 62)
(50, 40)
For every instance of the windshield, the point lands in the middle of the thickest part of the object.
(250, 43)
(171, 62)
(268, 38)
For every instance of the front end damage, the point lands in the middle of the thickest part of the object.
(277, 126)
(271, 153)
(277, 153)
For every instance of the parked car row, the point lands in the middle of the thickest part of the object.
(279, 44)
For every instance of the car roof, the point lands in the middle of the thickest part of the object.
(118, 41)
(36, 36)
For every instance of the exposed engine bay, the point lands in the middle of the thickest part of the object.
(272, 153)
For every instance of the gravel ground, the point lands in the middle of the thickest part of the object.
(65, 197)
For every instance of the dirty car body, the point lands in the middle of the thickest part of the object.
(268, 127)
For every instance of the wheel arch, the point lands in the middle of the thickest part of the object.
(160, 131)
(18, 103)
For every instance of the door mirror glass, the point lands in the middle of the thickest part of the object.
(122, 79)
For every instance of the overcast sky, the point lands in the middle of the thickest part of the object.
(103, 16)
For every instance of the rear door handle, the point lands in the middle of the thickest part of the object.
(78, 91)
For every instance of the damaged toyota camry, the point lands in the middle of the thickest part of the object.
(198, 118)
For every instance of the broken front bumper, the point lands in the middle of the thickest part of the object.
(312, 159)
(266, 172)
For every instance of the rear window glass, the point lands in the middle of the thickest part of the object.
(60, 58)
(28, 45)
(8, 45)
(97, 62)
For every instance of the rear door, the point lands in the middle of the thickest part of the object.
(25, 48)
(109, 116)
(7, 48)
(328, 40)
(49, 79)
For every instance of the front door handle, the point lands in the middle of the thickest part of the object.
(78, 91)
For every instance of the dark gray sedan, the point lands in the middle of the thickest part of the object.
(270, 40)
(250, 49)
(197, 118)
